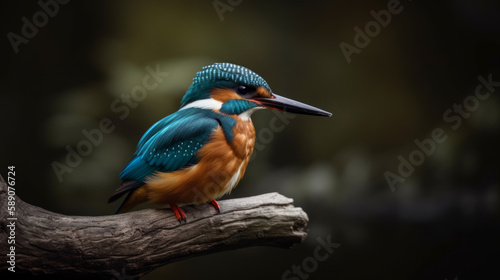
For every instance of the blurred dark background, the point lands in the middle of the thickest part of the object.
(440, 223)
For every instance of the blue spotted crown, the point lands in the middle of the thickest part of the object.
(221, 75)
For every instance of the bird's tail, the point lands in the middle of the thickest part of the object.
(121, 208)
(133, 198)
(135, 195)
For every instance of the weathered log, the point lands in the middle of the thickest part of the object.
(135, 243)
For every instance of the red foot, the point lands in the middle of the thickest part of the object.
(216, 205)
(179, 214)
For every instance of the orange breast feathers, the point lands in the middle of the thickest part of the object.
(221, 166)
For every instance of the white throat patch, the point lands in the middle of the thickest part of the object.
(248, 113)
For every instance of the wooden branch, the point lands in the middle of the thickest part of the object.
(135, 243)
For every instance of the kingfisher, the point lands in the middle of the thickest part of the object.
(199, 153)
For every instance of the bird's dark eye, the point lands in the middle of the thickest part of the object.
(245, 89)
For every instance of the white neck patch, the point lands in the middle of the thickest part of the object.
(208, 103)
(248, 113)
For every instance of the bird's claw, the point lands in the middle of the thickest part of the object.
(216, 205)
(179, 214)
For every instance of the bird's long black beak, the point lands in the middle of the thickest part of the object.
(289, 105)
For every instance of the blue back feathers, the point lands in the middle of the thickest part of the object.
(171, 143)
(221, 75)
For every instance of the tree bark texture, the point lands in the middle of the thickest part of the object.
(129, 245)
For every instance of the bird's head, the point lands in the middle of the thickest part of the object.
(233, 89)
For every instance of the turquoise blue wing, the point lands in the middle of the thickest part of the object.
(171, 144)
